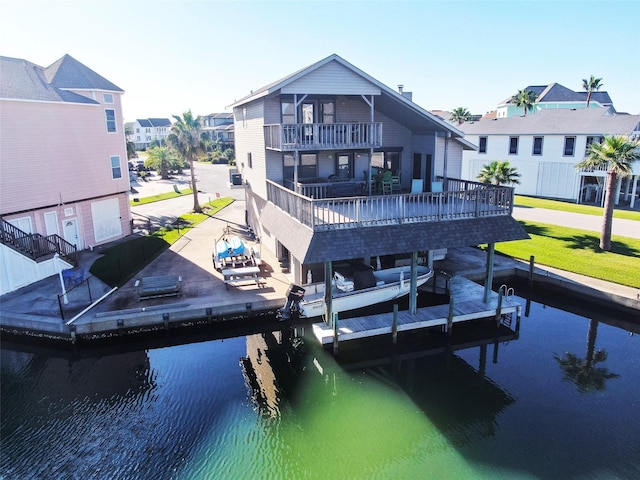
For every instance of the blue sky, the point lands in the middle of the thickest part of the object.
(171, 56)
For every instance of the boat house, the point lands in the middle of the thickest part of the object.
(338, 166)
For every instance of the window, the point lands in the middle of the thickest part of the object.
(306, 169)
(513, 145)
(111, 120)
(116, 171)
(344, 166)
(569, 146)
(249, 160)
(482, 147)
(107, 97)
(288, 113)
(591, 140)
(537, 146)
(327, 112)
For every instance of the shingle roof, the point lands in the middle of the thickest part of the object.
(21, 79)
(160, 122)
(364, 242)
(561, 121)
(554, 92)
(67, 72)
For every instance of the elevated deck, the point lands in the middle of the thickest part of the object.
(468, 305)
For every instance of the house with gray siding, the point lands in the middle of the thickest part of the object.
(545, 149)
(317, 151)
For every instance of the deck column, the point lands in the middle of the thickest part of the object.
(488, 280)
(413, 286)
(328, 313)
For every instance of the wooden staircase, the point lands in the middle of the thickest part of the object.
(36, 246)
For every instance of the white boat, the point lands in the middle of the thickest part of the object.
(389, 284)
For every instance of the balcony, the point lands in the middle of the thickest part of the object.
(322, 136)
(461, 199)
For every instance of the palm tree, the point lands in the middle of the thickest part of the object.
(499, 173)
(162, 159)
(616, 154)
(591, 84)
(185, 139)
(460, 115)
(524, 99)
(584, 373)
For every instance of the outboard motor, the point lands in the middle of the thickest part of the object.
(292, 306)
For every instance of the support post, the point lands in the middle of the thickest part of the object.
(335, 334)
(394, 325)
(499, 308)
(532, 263)
(328, 304)
(488, 280)
(450, 316)
(413, 286)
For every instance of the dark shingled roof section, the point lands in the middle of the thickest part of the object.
(348, 243)
(70, 73)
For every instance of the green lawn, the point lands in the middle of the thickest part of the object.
(160, 196)
(124, 260)
(523, 201)
(577, 251)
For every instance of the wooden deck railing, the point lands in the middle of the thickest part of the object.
(322, 136)
(461, 199)
(34, 245)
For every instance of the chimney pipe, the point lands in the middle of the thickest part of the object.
(400, 88)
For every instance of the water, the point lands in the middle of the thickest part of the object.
(265, 407)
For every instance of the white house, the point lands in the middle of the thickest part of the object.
(546, 147)
(146, 130)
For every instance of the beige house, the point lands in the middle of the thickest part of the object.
(63, 166)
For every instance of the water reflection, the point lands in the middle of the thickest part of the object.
(583, 372)
(456, 396)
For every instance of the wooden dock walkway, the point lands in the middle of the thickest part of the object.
(468, 304)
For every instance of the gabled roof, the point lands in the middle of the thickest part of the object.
(560, 121)
(69, 73)
(23, 80)
(390, 102)
(554, 92)
(160, 122)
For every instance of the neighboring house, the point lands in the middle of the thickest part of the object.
(59, 191)
(546, 147)
(554, 96)
(313, 150)
(219, 128)
(146, 130)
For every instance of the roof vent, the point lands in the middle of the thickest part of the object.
(400, 88)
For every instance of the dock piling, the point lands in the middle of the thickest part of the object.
(394, 325)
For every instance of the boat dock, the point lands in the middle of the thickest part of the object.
(467, 303)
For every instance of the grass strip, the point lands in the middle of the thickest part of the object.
(159, 197)
(523, 201)
(124, 260)
(577, 251)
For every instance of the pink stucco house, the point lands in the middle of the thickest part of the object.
(63, 166)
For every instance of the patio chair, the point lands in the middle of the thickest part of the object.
(387, 183)
(395, 182)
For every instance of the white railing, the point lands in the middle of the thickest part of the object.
(323, 136)
(461, 199)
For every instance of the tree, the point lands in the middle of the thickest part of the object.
(162, 159)
(185, 139)
(616, 154)
(499, 173)
(524, 99)
(591, 84)
(460, 115)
